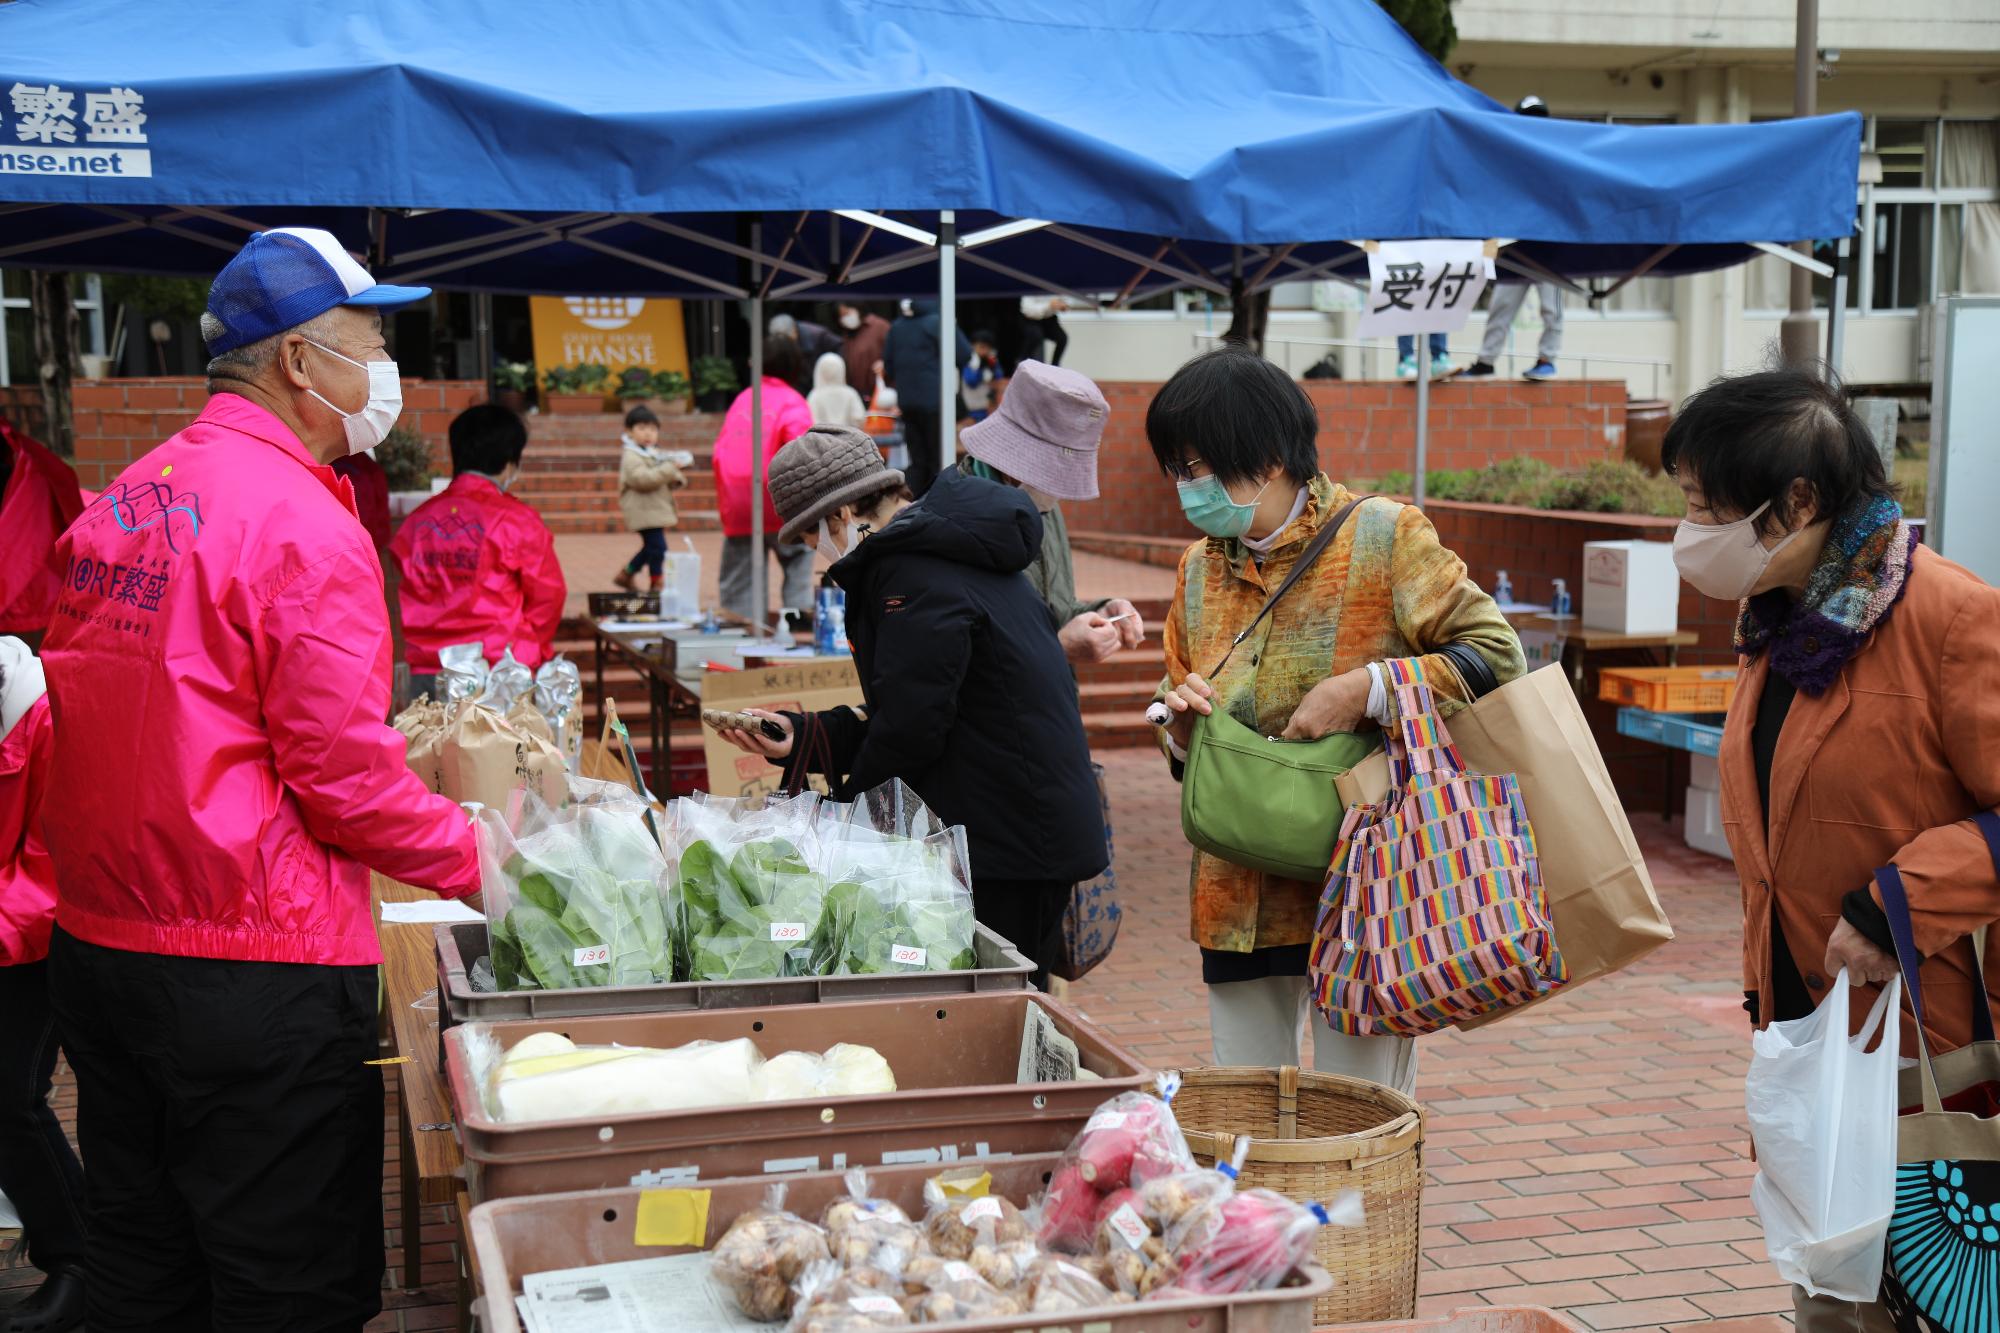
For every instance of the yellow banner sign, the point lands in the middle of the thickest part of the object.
(615, 331)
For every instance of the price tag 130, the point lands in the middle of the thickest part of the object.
(594, 955)
(787, 932)
(906, 955)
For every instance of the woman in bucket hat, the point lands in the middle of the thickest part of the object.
(968, 698)
(1043, 438)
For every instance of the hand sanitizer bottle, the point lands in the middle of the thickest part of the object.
(1503, 589)
(1561, 608)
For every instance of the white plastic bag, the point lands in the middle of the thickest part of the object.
(1822, 1109)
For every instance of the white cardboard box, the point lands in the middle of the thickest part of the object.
(1704, 823)
(1631, 587)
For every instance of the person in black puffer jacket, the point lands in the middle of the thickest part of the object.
(968, 696)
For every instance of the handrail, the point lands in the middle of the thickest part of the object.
(1376, 347)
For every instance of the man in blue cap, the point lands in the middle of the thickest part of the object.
(218, 669)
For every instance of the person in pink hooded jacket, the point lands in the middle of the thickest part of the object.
(786, 417)
(39, 497)
(39, 1172)
(219, 669)
(479, 565)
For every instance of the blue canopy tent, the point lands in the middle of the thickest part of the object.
(802, 148)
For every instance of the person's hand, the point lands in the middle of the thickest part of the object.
(1089, 638)
(1132, 630)
(756, 742)
(1338, 703)
(1187, 701)
(1865, 963)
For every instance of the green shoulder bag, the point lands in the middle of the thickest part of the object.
(1261, 802)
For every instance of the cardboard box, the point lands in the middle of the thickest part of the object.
(804, 687)
(1704, 823)
(1631, 587)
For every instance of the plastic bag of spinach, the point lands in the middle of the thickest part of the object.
(899, 896)
(575, 896)
(747, 898)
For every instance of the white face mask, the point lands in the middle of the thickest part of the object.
(1725, 560)
(850, 319)
(830, 550)
(368, 426)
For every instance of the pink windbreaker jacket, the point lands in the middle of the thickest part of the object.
(478, 565)
(219, 671)
(27, 877)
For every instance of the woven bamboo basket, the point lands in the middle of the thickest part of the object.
(1312, 1136)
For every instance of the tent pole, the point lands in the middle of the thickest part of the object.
(948, 367)
(1836, 318)
(1797, 335)
(1423, 341)
(759, 600)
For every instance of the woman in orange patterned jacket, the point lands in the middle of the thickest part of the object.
(1238, 435)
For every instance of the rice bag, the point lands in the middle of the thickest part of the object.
(764, 1252)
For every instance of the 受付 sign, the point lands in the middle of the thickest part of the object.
(1424, 286)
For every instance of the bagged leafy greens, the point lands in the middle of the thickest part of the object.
(747, 896)
(575, 896)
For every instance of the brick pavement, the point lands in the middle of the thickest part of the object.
(1588, 1156)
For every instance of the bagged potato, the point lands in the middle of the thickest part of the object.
(763, 1254)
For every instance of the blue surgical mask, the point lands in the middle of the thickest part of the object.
(1207, 505)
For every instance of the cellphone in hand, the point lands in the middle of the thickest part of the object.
(723, 719)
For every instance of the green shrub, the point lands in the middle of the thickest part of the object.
(1605, 487)
(406, 460)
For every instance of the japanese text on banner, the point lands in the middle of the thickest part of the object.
(1424, 286)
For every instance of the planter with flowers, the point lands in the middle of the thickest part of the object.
(576, 390)
(665, 391)
(513, 381)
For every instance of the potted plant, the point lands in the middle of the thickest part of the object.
(576, 390)
(405, 458)
(635, 385)
(512, 381)
(670, 392)
(715, 384)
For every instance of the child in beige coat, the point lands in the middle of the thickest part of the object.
(647, 478)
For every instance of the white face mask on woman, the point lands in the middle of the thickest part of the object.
(1725, 560)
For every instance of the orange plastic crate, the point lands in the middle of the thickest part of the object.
(1691, 689)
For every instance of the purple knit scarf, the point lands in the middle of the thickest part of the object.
(1855, 586)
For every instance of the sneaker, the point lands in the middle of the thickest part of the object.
(1440, 367)
(1541, 370)
(1406, 369)
(1478, 368)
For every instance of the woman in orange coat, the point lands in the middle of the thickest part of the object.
(1866, 725)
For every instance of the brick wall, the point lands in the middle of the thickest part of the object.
(117, 420)
(1368, 429)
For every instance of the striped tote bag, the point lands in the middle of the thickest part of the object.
(1433, 910)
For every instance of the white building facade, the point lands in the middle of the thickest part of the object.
(1924, 73)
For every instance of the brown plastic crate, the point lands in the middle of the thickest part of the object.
(954, 1058)
(512, 1238)
(1689, 689)
(1000, 967)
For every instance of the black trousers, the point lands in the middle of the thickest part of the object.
(652, 552)
(39, 1172)
(1026, 912)
(921, 431)
(232, 1131)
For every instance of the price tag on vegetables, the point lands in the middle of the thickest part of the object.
(787, 932)
(980, 1209)
(1129, 1227)
(959, 1271)
(595, 955)
(906, 955)
(1105, 1120)
(875, 1305)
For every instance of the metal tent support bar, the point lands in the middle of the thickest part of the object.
(948, 367)
(759, 561)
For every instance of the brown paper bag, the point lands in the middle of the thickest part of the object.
(483, 757)
(604, 758)
(1606, 912)
(422, 726)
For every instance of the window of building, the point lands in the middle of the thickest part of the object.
(1930, 228)
(17, 327)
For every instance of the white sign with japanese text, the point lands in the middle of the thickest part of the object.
(50, 130)
(1423, 286)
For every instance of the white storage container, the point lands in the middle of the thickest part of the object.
(1703, 772)
(1631, 587)
(1704, 823)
